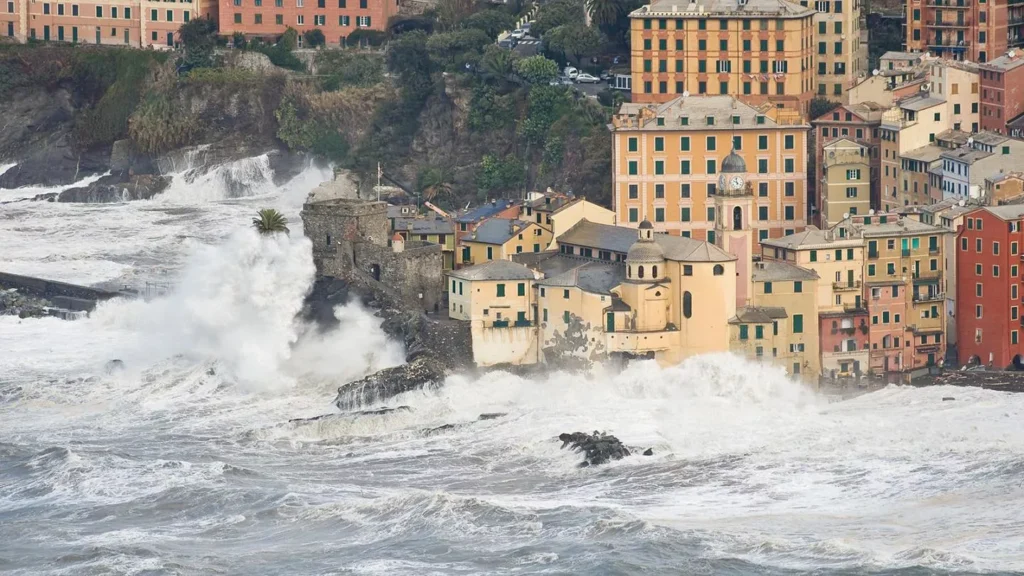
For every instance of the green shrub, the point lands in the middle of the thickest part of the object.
(159, 124)
(341, 68)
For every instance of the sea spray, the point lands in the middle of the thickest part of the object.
(235, 303)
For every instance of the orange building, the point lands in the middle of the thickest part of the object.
(668, 159)
(135, 23)
(758, 50)
(337, 19)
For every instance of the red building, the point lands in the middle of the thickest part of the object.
(964, 29)
(337, 19)
(988, 293)
(1002, 91)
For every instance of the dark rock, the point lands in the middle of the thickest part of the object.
(116, 188)
(211, 372)
(114, 366)
(947, 398)
(356, 414)
(492, 415)
(649, 452)
(423, 372)
(443, 428)
(286, 165)
(597, 448)
(57, 163)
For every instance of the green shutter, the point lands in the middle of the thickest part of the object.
(798, 286)
(501, 290)
(743, 331)
(798, 323)
(521, 289)
(759, 332)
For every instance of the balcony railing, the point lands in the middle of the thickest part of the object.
(948, 4)
(501, 323)
(931, 297)
(960, 44)
(905, 253)
(846, 286)
(873, 254)
(854, 308)
(947, 24)
(933, 250)
(927, 276)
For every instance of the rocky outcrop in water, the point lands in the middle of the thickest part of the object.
(14, 303)
(111, 188)
(422, 372)
(598, 448)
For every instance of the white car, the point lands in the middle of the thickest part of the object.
(570, 72)
(585, 78)
(518, 33)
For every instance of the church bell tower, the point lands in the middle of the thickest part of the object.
(734, 210)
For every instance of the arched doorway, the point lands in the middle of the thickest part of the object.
(1017, 364)
(375, 272)
(737, 218)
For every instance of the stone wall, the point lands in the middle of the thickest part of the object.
(351, 235)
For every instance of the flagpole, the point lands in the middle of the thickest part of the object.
(378, 181)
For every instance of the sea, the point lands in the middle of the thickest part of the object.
(191, 457)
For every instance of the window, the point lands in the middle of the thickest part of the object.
(684, 214)
(711, 142)
(659, 214)
(632, 167)
(788, 164)
(300, 19)
(501, 290)
(521, 289)
(279, 19)
(684, 167)
(238, 17)
(633, 216)
(767, 287)
(659, 167)
(684, 190)
(790, 213)
(762, 213)
(632, 144)
(711, 166)
(762, 189)
(99, 11)
(762, 165)
(659, 144)
(743, 331)
(798, 323)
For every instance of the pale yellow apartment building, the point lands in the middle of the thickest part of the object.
(842, 316)
(566, 216)
(838, 54)
(497, 299)
(913, 123)
(786, 296)
(846, 184)
(758, 50)
(500, 238)
(667, 160)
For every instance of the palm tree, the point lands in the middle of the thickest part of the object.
(435, 182)
(604, 12)
(497, 63)
(270, 221)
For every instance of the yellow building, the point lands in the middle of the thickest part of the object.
(760, 50)
(569, 214)
(500, 238)
(841, 312)
(497, 299)
(435, 230)
(838, 53)
(667, 161)
(846, 184)
(786, 295)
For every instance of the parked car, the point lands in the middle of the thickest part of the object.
(518, 33)
(570, 72)
(565, 80)
(585, 78)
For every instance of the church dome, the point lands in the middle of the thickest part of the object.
(733, 164)
(646, 225)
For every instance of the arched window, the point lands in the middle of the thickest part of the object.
(629, 271)
(719, 270)
(687, 304)
(737, 218)
(654, 271)
(640, 272)
(328, 239)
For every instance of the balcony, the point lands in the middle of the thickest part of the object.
(927, 276)
(958, 4)
(846, 286)
(946, 24)
(930, 297)
(957, 44)
(905, 253)
(933, 250)
(873, 254)
(858, 308)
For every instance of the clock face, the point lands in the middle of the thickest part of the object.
(736, 182)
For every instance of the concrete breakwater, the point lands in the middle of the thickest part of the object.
(58, 296)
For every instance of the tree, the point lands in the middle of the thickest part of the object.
(546, 104)
(820, 106)
(407, 58)
(500, 174)
(555, 14)
(574, 41)
(454, 49)
(451, 13)
(492, 22)
(238, 41)
(604, 12)
(537, 70)
(198, 39)
(270, 221)
(289, 40)
(314, 38)
(497, 63)
(435, 182)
